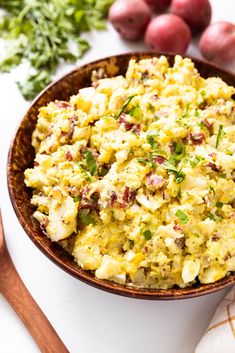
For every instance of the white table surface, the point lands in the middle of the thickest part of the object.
(87, 319)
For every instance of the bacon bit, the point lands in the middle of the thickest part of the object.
(180, 242)
(213, 166)
(128, 195)
(128, 126)
(215, 237)
(177, 227)
(85, 191)
(74, 191)
(155, 181)
(88, 204)
(155, 97)
(69, 156)
(208, 125)
(91, 202)
(36, 164)
(146, 249)
(213, 154)
(197, 138)
(62, 104)
(72, 124)
(159, 159)
(226, 257)
(137, 129)
(202, 105)
(113, 198)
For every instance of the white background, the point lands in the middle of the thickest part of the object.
(89, 320)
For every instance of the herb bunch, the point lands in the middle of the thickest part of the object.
(41, 32)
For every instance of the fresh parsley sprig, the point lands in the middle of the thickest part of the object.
(124, 106)
(219, 135)
(41, 33)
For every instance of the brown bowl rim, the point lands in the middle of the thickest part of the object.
(84, 276)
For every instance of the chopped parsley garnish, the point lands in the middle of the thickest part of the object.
(219, 204)
(147, 234)
(219, 136)
(135, 112)
(90, 162)
(212, 190)
(171, 168)
(194, 162)
(179, 152)
(151, 139)
(77, 198)
(41, 32)
(182, 216)
(222, 175)
(86, 218)
(203, 93)
(125, 105)
(143, 160)
(86, 176)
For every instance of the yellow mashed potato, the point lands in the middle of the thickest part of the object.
(135, 175)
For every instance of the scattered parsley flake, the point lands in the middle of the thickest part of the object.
(222, 175)
(171, 168)
(147, 234)
(125, 105)
(151, 139)
(182, 217)
(219, 136)
(77, 198)
(194, 162)
(90, 162)
(86, 218)
(219, 204)
(135, 112)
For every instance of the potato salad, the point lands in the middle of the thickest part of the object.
(134, 176)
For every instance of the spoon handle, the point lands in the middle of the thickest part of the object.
(18, 296)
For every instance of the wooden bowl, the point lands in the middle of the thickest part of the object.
(21, 156)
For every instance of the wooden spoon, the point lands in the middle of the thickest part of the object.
(15, 292)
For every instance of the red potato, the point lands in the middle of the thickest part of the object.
(196, 13)
(217, 43)
(130, 18)
(158, 5)
(168, 33)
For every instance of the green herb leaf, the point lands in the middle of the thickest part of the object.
(195, 161)
(182, 216)
(219, 204)
(219, 136)
(135, 112)
(41, 32)
(151, 140)
(86, 218)
(77, 198)
(123, 108)
(179, 152)
(147, 234)
(171, 168)
(90, 162)
(222, 175)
